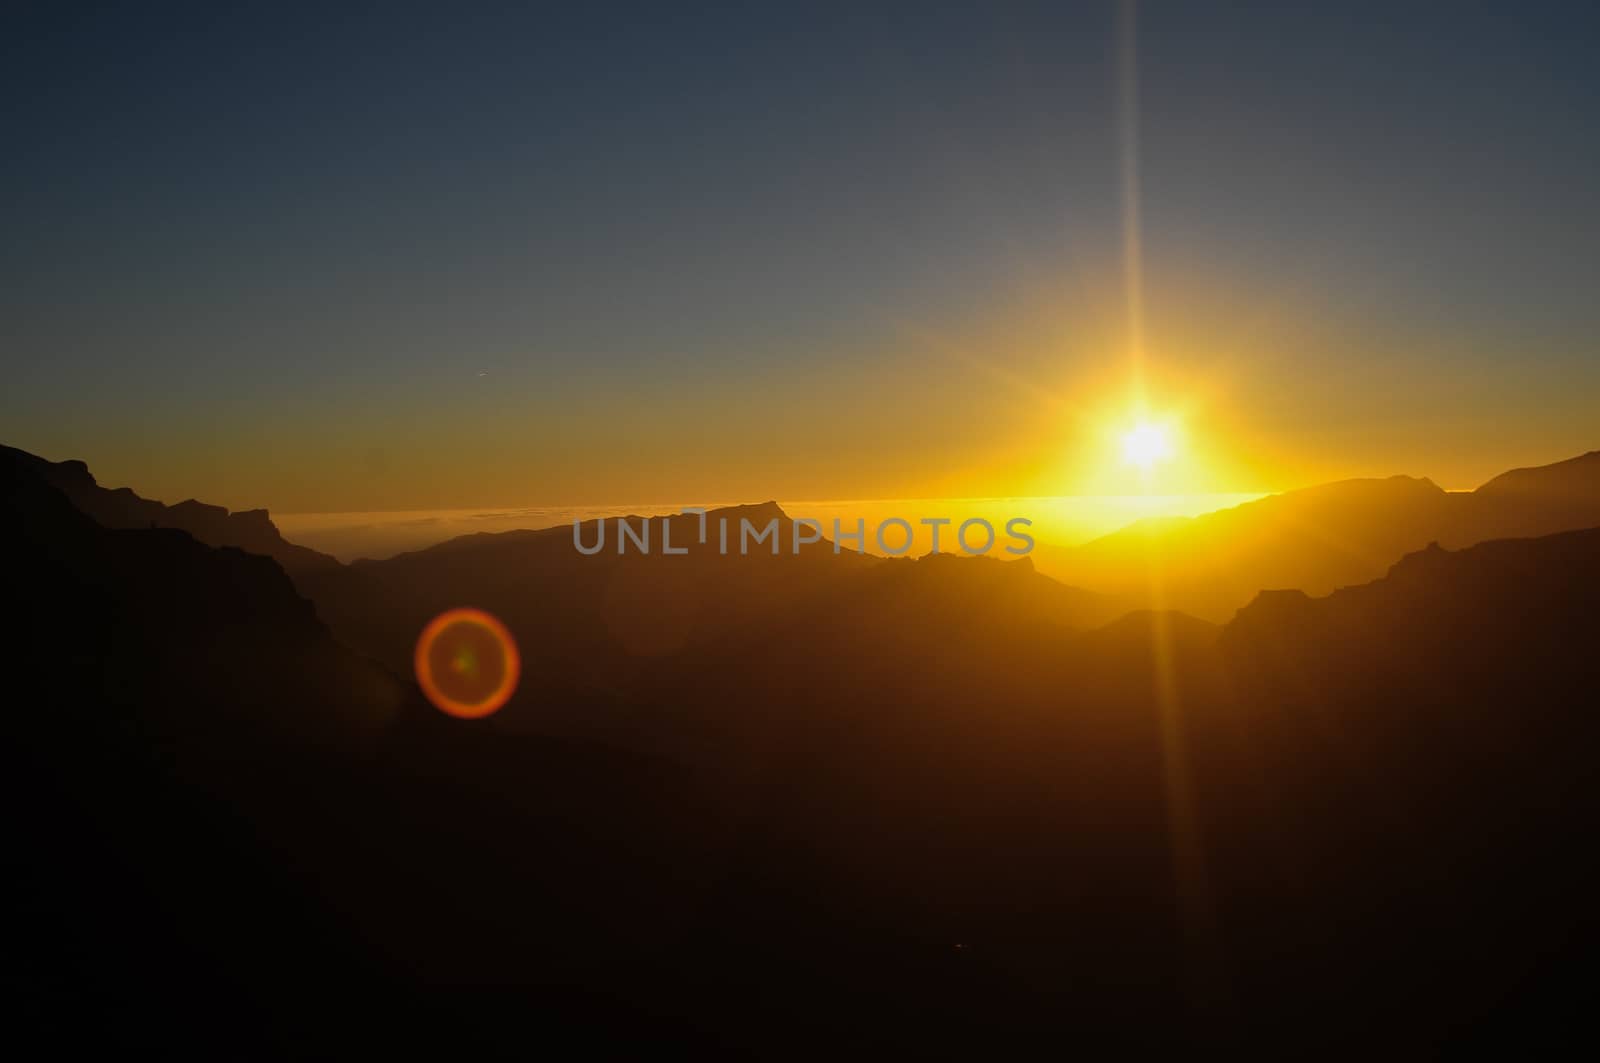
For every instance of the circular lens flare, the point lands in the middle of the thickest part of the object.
(467, 663)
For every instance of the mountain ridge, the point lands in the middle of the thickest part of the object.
(251, 530)
(1322, 537)
(893, 787)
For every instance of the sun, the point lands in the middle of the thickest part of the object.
(1146, 444)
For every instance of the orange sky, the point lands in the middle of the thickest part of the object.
(1269, 390)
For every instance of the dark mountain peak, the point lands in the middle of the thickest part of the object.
(1327, 536)
(1271, 607)
(1434, 591)
(753, 512)
(1564, 556)
(258, 519)
(73, 469)
(1289, 508)
(939, 557)
(1384, 488)
(1539, 500)
(1432, 554)
(1144, 622)
(1580, 475)
(250, 530)
(195, 509)
(188, 636)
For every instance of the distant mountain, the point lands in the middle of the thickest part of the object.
(1448, 615)
(249, 530)
(1540, 500)
(1316, 539)
(1576, 479)
(604, 629)
(1321, 538)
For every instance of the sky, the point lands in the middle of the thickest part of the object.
(390, 256)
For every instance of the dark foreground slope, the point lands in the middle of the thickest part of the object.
(914, 819)
(1414, 762)
(234, 837)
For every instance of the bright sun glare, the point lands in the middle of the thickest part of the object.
(1146, 444)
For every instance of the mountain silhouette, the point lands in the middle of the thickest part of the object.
(239, 832)
(251, 530)
(1418, 757)
(599, 632)
(1539, 500)
(1321, 538)
(920, 806)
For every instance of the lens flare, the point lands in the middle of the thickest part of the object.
(467, 663)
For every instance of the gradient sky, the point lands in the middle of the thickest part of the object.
(415, 256)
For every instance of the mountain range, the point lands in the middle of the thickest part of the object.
(250, 530)
(1320, 538)
(768, 806)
